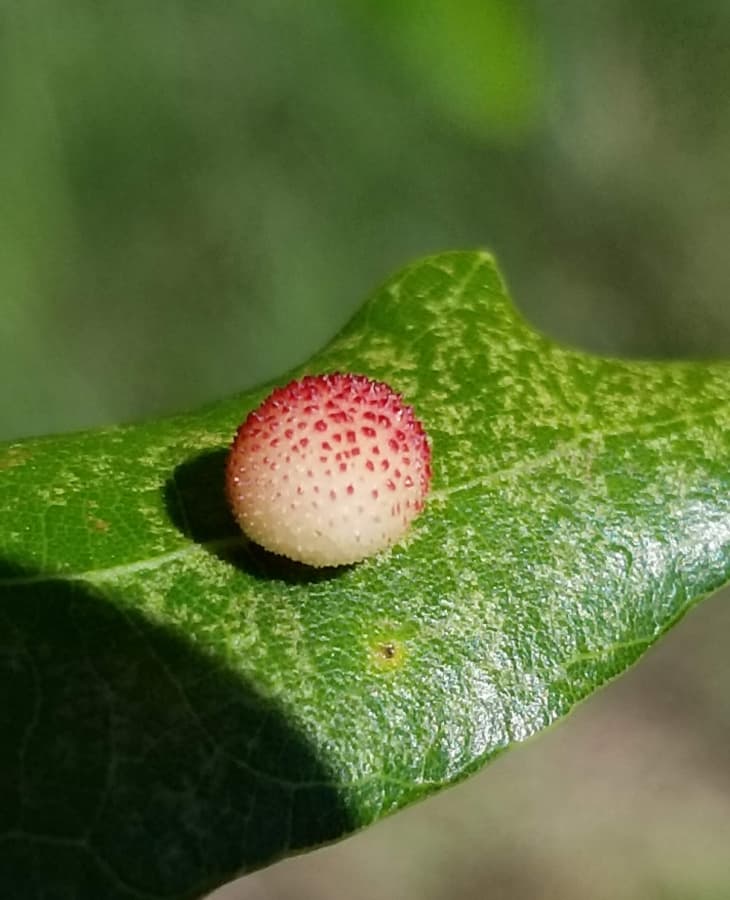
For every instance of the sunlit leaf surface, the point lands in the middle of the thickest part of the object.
(177, 706)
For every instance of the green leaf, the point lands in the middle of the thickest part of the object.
(177, 705)
(479, 60)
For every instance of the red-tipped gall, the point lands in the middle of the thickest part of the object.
(329, 470)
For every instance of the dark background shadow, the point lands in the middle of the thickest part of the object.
(133, 764)
(195, 500)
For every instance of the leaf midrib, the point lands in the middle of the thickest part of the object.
(110, 573)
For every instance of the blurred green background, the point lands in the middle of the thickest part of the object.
(195, 196)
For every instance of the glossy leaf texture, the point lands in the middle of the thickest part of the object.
(178, 706)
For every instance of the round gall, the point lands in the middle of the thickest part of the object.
(329, 470)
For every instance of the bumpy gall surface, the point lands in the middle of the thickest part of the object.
(329, 470)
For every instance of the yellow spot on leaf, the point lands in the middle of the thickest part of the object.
(387, 654)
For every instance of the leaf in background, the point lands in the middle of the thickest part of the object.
(480, 60)
(176, 705)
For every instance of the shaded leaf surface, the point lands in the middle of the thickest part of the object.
(177, 705)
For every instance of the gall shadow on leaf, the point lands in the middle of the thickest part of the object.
(195, 500)
(132, 761)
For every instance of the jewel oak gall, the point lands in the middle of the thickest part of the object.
(329, 469)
